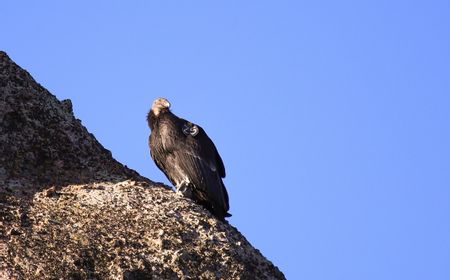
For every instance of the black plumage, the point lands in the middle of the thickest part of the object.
(188, 157)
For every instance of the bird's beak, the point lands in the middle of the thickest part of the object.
(167, 104)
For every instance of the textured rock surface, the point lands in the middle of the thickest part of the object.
(68, 210)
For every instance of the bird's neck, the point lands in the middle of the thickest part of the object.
(154, 119)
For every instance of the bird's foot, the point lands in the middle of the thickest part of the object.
(184, 190)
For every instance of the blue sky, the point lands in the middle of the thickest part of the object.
(332, 117)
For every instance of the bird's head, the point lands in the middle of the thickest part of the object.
(159, 105)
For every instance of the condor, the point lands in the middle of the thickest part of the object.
(188, 158)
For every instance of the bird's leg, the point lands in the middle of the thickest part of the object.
(184, 188)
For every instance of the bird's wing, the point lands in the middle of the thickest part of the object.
(163, 142)
(204, 176)
(203, 145)
(199, 158)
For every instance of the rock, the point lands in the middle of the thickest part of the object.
(69, 210)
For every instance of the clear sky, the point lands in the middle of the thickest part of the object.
(332, 117)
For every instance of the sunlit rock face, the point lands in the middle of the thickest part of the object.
(68, 210)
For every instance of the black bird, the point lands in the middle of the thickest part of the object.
(188, 158)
